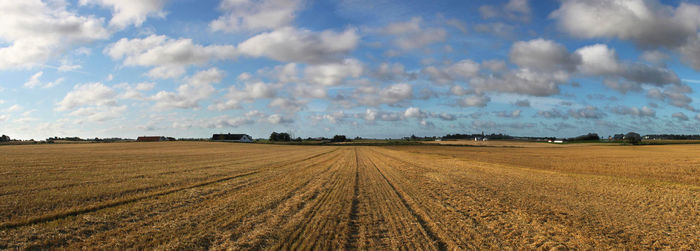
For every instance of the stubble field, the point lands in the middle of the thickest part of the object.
(200, 195)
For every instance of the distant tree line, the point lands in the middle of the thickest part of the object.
(5, 138)
(472, 136)
(586, 137)
(673, 136)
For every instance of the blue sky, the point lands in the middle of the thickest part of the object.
(185, 68)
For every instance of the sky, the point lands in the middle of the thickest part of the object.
(368, 68)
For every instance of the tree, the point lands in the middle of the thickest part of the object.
(4, 138)
(339, 138)
(633, 138)
(283, 136)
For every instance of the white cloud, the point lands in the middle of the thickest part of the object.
(675, 95)
(169, 56)
(128, 12)
(34, 80)
(506, 114)
(414, 112)
(634, 111)
(462, 70)
(522, 81)
(680, 116)
(497, 28)
(390, 95)
(278, 119)
(410, 35)
(255, 15)
(135, 91)
(545, 55)
(333, 73)
(647, 23)
(392, 72)
(98, 114)
(598, 59)
(194, 90)
(289, 44)
(474, 101)
(216, 122)
(290, 105)
(588, 112)
(36, 31)
(518, 10)
(14, 108)
(95, 94)
(252, 91)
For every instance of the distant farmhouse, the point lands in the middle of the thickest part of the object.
(232, 137)
(151, 138)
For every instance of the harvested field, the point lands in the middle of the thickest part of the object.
(201, 195)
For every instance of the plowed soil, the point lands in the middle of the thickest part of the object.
(201, 195)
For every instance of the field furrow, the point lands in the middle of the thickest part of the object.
(200, 195)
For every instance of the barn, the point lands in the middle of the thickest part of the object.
(151, 138)
(232, 137)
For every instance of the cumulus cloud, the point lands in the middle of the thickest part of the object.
(251, 92)
(290, 44)
(679, 116)
(647, 23)
(634, 111)
(497, 29)
(390, 95)
(392, 72)
(415, 112)
(168, 56)
(372, 115)
(255, 15)
(333, 73)
(545, 55)
(88, 94)
(552, 114)
(216, 122)
(278, 119)
(410, 35)
(290, 105)
(588, 112)
(35, 31)
(128, 12)
(474, 101)
(675, 95)
(522, 103)
(507, 114)
(98, 114)
(461, 70)
(188, 95)
(522, 81)
(518, 10)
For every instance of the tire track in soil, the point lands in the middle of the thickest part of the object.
(213, 199)
(353, 224)
(311, 214)
(440, 244)
(119, 202)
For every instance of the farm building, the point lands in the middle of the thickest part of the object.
(151, 138)
(232, 137)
